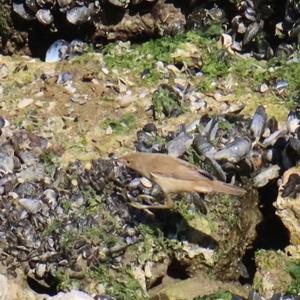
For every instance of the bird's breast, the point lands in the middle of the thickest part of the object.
(176, 185)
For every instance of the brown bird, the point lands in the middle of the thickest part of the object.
(175, 175)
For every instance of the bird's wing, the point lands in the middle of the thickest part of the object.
(168, 166)
(185, 173)
(192, 172)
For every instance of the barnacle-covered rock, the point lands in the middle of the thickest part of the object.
(161, 19)
(202, 18)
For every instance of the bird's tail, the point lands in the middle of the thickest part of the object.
(222, 187)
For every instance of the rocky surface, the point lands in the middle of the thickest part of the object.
(67, 220)
(288, 208)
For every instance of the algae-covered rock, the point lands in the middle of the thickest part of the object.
(198, 286)
(215, 242)
(272, 274)
(230, 223)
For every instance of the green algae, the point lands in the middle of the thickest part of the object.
(142, 58)
(166, 103)
(5, 19)
(217, 296)
(294, 270)
(119, 126)
(119, 283)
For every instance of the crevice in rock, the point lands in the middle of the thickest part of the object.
(271, 233)
(176, 270)
(39, 288)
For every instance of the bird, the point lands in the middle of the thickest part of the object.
(175, 175)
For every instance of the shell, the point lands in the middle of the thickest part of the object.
(80, 15)
(46, 3)
(235, 151)
(31, 205)
(226, 40)
(119, 3)
(44, 16)
(258, 121)
(252, 31)
(57, 51)
(64, 3)
(4, 71)
(20, 10)
(6, 163)
(77, 47)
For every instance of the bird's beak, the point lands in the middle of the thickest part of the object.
(121, 162)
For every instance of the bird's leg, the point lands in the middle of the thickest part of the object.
(167, 205)
(143, 207)
(168, 202)
(145, 197)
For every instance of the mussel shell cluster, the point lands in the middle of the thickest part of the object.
(76, 12)
(232, 146)
(260, 28)
(48, 215)
(62, 49)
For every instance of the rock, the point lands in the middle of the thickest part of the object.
(193, 250)
(14, 289)
(139, 275)
(125, 100)
(3, 71)
(4, 288)
(196, 287)
(25, 102)
(263, 88)
(74, 295)
(288, 208)
(31, 205)
(1, 92)
(266, 175)
(271, 276)
(163, 18)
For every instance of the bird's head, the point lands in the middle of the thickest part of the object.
(130, 160)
